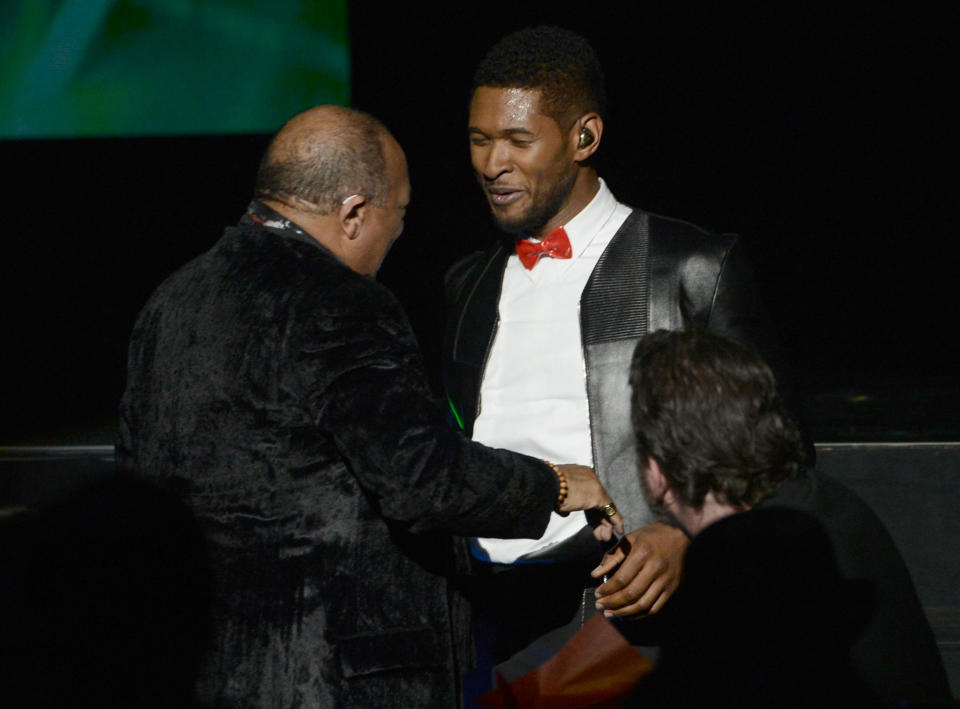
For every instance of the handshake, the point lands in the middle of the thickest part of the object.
(643, 569)
(581, 490)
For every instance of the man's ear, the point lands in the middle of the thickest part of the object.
(587, 134)
(352, 214)
(658, 483)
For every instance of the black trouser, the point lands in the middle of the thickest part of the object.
(524, 614)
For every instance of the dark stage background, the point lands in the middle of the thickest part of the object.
(820, 135)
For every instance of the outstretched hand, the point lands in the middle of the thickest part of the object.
(650, 561)
(584, 492)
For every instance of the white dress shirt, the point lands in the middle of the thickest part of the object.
(533, 397)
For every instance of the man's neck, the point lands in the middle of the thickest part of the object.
(584, 190)
(695, 521)
(322, 228)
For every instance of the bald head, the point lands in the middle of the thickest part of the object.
(321, 157)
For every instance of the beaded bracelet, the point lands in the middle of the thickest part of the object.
(562, 496)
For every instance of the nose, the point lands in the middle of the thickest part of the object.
(495, 160)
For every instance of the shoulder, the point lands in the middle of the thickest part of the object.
(841, 510)
(684, 253)
(677, 243)
(752, 548)
(307, 276)
(353, 306)
(813, 490)
(841, 502)
(271, 279)
(686, 239)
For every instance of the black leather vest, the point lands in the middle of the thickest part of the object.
(656, 273)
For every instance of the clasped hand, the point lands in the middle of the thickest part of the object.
(585, 492)
(650, 563)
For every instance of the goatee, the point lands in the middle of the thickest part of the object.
(540, 212)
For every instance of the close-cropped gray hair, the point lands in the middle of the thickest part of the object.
(324, 165)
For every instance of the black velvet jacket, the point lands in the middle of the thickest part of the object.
(284, 396)
(656, 273)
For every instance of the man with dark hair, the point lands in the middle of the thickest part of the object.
(751, 446)
(278, 387)
(541, 329)
(793, 590)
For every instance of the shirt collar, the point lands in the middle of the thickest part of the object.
(584, 227)
(260, 214)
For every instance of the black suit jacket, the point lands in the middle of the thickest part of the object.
(656, 273)
(283, 395)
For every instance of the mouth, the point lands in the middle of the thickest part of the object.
(503, 196)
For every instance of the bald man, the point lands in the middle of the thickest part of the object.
(278, 387)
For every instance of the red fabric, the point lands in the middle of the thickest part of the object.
(555, 244)
(596, 669)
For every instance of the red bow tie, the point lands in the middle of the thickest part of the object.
(555, 244)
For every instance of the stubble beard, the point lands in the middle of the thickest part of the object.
(540, 212)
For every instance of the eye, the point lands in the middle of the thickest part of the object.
(479, 140)
(521, 142)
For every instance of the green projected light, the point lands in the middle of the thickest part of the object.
(78, 68)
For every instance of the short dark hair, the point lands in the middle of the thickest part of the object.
(559, 63)
(706, 408)
(326, 167)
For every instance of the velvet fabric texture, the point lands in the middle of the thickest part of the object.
(283, 396)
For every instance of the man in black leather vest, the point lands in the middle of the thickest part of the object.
(536, 121)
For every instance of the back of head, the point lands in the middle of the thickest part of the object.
(322, 156)
(706, 408)
(559, 63)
